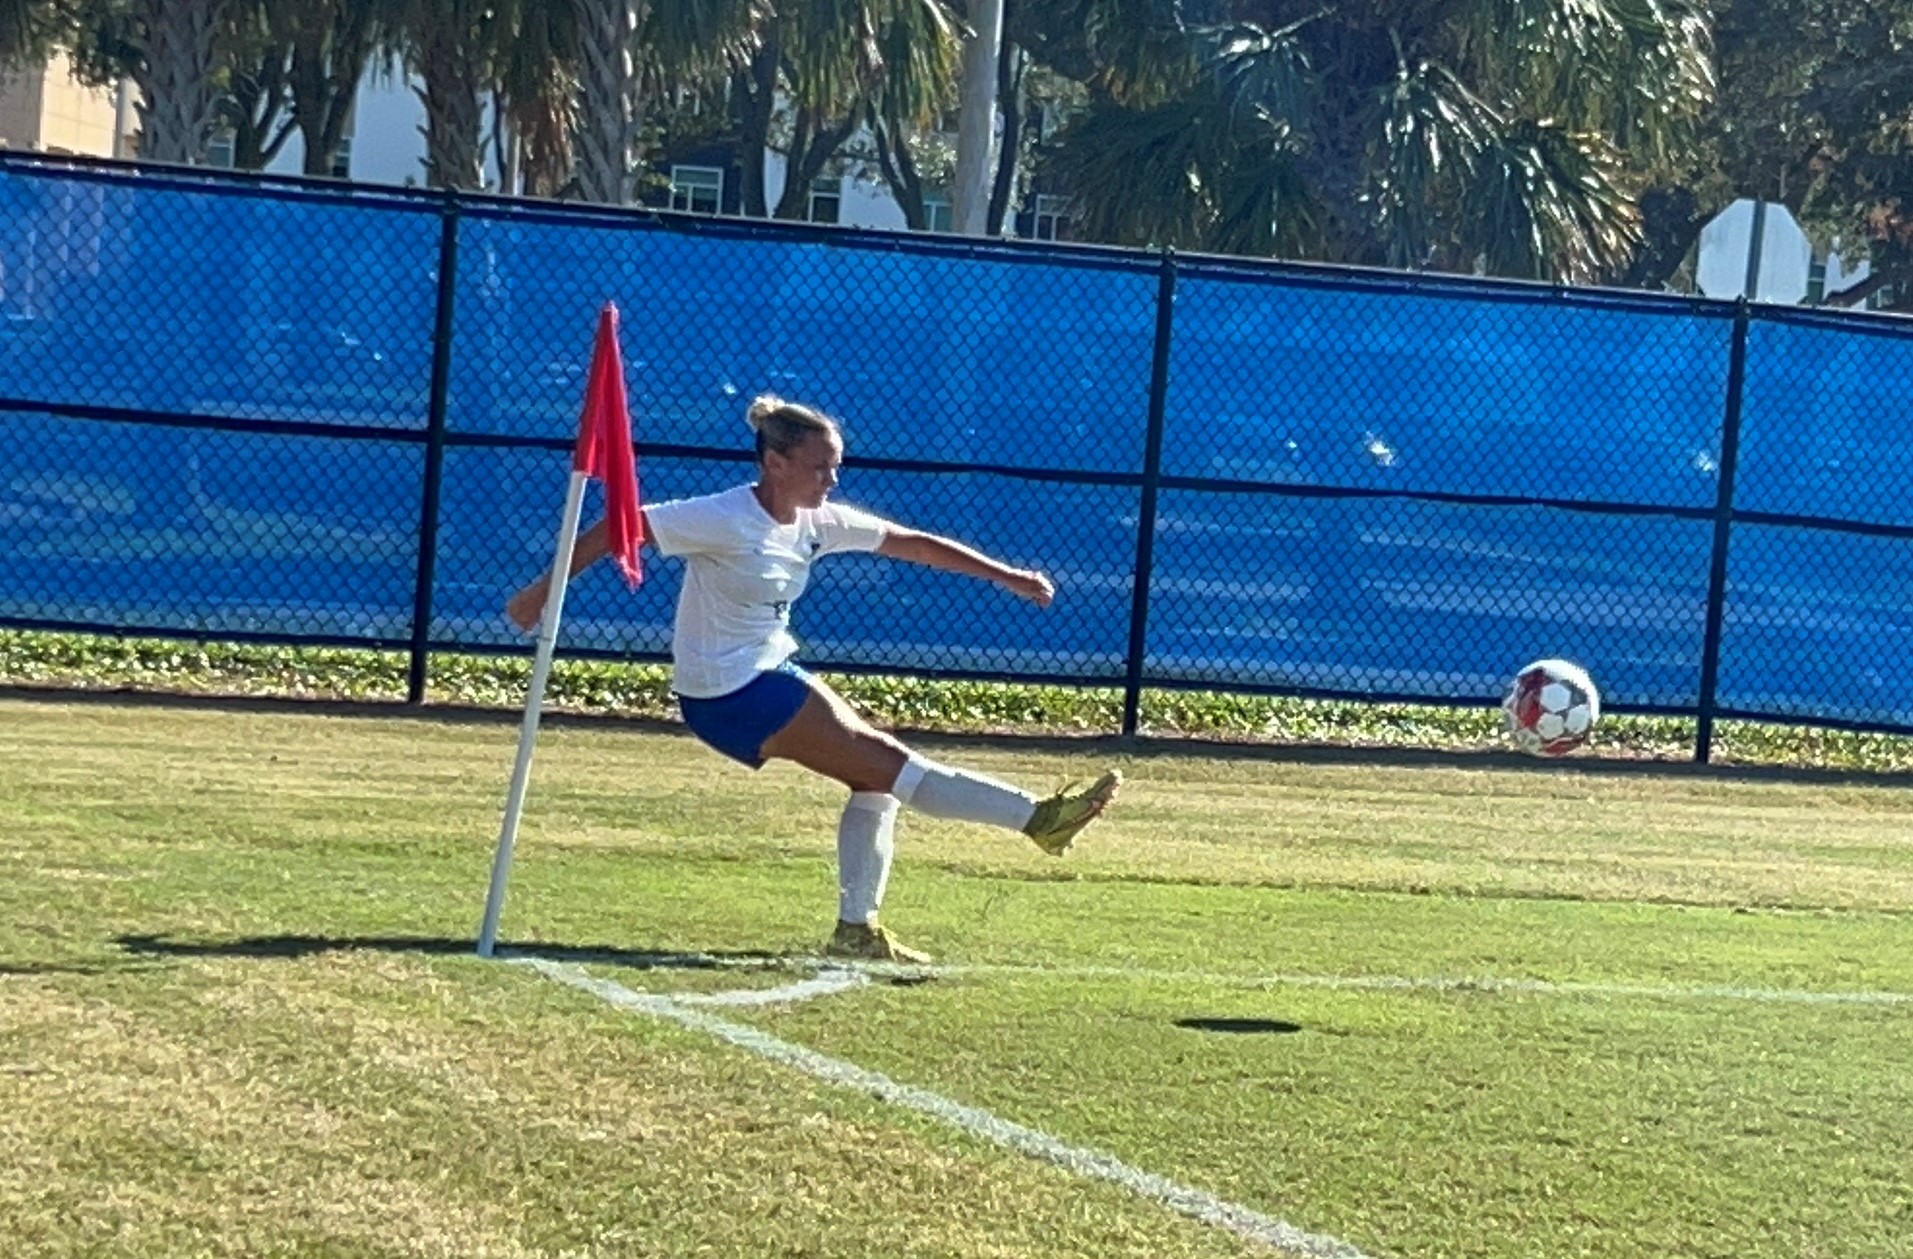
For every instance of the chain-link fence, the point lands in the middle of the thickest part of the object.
(250, 408)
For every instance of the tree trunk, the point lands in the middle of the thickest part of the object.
(449, 64)
(812, 145)
(1009, 87)
(544, 132)
(1671, 221)
(257, 109)
(330, 46)
(607, 99)
(892, 142)
(756, 90)
(178, 99)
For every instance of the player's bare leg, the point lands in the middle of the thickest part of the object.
(828, 737)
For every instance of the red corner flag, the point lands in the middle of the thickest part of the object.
(604, 447)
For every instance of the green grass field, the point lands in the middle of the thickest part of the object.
(1600, 1010)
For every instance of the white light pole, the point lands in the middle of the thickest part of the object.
(976, 125)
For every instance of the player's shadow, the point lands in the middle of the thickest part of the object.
(295, 947)
(1239, 1026)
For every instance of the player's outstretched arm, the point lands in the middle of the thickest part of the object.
(934, 551)
(525, 607)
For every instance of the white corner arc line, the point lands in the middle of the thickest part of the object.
(1195, 1203)
(826, 983)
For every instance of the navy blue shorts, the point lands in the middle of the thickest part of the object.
(739, 724)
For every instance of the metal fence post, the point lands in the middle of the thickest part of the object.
(1151, 482)
(1723, 534)
(434, 450)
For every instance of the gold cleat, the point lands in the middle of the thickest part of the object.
(867, 942)
(1057, 820)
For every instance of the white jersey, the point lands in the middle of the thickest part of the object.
(743, 570)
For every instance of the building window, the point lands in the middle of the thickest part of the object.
(342, 159)
(937, 215)
(826, 199)
(220, 149)
(699, 189)
(1052, 218)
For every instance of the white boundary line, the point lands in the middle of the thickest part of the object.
(1195, 1203)
(1436, 983)
(1488, 984)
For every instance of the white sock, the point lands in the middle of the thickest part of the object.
(865, 844)
(942, 791)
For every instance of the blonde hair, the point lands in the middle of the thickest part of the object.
(784, 426)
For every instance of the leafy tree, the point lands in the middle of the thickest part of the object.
(823, 69)
(28, 28)
(256, 106)
(331, 42)
(1817, 112)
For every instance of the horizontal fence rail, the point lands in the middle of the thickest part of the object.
(299, 412)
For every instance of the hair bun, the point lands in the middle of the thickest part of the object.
(762, 407)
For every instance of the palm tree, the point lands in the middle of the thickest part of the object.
(630, 47)
(536, 91)
(450, 46)
(179, 99)
(1505, 136)
(607, 125)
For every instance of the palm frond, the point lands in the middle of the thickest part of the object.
(1263, 70)
(920, 53)
(1546, 203)
(1136, 173)
(693, 40)
(1141, 47)
(1190, 173)
(1427, 132)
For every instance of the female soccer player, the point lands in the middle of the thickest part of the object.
(748, 553)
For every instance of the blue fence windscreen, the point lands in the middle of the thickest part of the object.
(220, 417)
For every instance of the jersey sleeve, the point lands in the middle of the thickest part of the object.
(688, 526)
(841, 527)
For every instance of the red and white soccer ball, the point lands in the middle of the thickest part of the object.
(1551, 707)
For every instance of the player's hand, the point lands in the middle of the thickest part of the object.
(1032, 585)
(525, 607)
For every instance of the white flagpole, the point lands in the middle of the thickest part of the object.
(528, 732)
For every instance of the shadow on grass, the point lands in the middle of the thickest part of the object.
(296, 947)
(1134, 747)
(1240, 1027)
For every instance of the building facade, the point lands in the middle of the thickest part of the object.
(45, 109)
